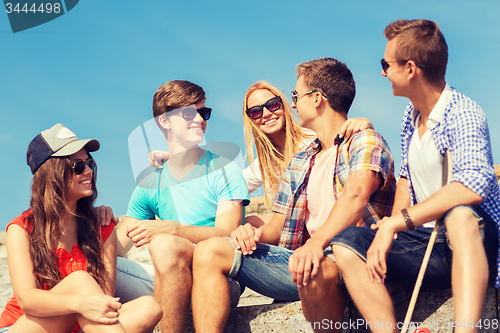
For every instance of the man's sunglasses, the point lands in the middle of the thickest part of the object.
(79, 166)
(255, 112)
(189, 112)
(385, 64)
(295, 95)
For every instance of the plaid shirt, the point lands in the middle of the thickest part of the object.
(464, 132)
(366, 150)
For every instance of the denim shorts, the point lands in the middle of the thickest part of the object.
(266, 271)
(406, 254)
(4, 329)
(133, 280)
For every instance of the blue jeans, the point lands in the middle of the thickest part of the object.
(406, 254)
(4, 329)
(133, 280)
(265, 271)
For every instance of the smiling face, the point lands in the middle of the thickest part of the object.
(396, 72)
(271, 123)
(81, 185)
(186, 133)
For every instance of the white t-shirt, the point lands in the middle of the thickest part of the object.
(424, 160)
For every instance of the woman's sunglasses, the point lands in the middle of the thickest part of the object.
(79, 166)
(189, 112)
(255, 112)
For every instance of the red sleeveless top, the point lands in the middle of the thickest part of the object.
(68, 263)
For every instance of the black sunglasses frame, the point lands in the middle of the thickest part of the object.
(79, 166)
(204, 112)
(385, 64)
(260, 108)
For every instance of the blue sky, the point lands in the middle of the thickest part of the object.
(96, 68)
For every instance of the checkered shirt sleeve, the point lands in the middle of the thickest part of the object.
(367, 150)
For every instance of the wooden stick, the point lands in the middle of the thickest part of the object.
(447, 172)
(420, 278)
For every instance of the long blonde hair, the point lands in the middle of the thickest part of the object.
(272, 161)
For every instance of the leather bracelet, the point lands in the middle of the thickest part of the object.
(409, 222)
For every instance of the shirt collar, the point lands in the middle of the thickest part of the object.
(437, 113)
(315, 146)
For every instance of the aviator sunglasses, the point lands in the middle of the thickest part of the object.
(79, 166)
(189, 112)
(255, 112)
(385, 64)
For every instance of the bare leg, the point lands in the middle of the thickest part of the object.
(212, 261)
(323, 298)
(140, 315)
(469, 268)
(77, 283)
(371, 298)
(172, 257)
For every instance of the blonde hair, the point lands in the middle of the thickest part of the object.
(272, 161)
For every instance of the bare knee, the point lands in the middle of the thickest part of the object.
(328, 277)
(462, 224)
(148, 312)
(330, 272)
(343, 256)
(171, 253)
(213, 252)
(209, 249)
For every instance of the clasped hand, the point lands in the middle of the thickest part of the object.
(100, 308)
(143, 231)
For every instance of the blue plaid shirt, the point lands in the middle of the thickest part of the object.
(464, 132)
(366, 150)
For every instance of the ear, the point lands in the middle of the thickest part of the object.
(164, 121)
(319, 99)
(411, 67)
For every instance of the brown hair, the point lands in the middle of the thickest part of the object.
(332, 78)
(175, 95)
(272, 161)
(48, 203)
(423, 42)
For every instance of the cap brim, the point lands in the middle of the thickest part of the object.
(75, 146)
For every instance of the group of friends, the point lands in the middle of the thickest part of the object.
(340, 220)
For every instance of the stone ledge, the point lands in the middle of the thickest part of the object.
(433, 309)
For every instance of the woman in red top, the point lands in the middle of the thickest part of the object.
(62, 263)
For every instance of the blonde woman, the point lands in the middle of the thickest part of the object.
(270, 127)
